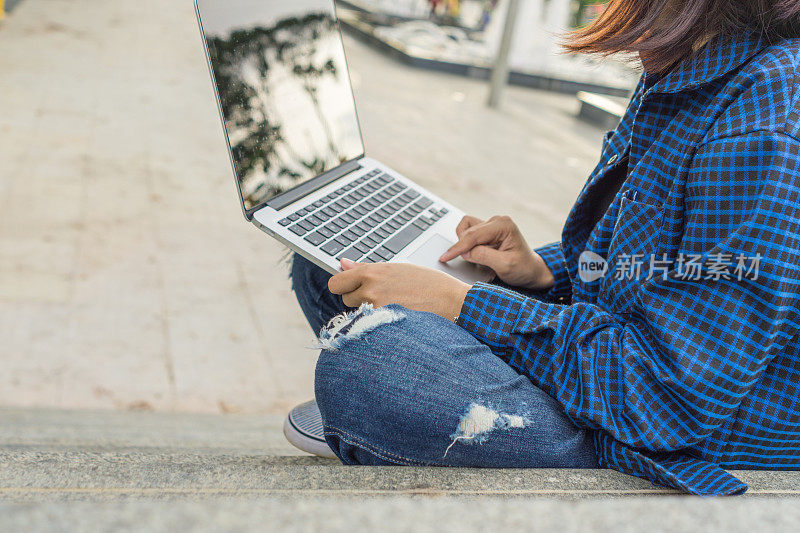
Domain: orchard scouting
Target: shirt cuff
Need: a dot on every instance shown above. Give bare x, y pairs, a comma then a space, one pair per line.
553, 256
490, 313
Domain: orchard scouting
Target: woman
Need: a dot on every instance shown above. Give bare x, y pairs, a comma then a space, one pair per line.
659, 338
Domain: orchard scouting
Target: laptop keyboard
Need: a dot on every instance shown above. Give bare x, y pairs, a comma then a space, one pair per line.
369, 220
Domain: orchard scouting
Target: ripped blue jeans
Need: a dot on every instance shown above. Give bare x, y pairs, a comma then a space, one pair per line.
400, 387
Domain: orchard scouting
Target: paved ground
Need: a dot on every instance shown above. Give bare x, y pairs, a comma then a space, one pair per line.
128, 277
444, 514
107, 471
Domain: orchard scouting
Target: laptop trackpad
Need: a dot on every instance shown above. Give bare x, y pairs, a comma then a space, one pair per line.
429, 253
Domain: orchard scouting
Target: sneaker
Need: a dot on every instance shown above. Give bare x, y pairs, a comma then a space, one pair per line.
303, 429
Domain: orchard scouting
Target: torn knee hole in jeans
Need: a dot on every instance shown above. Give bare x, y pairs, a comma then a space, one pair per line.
480, 421
354, 324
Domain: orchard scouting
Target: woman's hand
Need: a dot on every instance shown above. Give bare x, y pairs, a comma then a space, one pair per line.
413, 287
499, 245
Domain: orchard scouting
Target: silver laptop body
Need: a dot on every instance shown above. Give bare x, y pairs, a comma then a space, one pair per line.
286, 103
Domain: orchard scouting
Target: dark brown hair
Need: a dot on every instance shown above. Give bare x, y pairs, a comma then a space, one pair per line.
665, 31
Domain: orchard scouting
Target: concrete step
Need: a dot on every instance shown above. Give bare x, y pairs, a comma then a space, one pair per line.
234, 471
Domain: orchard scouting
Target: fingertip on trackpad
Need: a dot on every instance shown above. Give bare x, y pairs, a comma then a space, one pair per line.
429, 253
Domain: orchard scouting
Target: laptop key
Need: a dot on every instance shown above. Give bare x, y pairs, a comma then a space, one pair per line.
330, 212
315, 220
344, 241
319, 203
351, 235
351, 254
326, 232
420, 224
403, 239
298, 230
336, 225
285, 222
294, 217
375, 258
332, 248
306, 225
385, 253
358, 231
316, 238
411, 194
424, 203
347, 218
361, 247
370, 241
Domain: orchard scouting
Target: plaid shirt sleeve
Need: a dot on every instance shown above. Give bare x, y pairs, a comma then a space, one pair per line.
553, 256
667, 374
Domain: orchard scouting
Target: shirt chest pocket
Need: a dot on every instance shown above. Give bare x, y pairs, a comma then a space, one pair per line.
633, 255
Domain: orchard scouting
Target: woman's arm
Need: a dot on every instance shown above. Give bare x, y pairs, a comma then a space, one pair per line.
672, 371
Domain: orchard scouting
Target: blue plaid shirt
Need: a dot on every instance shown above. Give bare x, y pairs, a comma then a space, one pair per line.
683, 354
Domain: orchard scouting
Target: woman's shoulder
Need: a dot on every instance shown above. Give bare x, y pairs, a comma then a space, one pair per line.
775, 67
766, 93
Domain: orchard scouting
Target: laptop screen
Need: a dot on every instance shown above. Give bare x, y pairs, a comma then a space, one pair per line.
280, 71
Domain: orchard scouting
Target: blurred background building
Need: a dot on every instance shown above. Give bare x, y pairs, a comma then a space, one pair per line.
465, 35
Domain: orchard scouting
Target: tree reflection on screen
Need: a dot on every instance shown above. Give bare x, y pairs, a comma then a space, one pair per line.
286, 101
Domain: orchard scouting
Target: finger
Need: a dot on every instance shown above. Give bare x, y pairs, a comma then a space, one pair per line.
484, 233
466, 223
345, 282
466, 243
355, 298
348, 264
486, 256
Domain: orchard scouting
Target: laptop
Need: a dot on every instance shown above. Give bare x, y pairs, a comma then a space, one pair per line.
287, 106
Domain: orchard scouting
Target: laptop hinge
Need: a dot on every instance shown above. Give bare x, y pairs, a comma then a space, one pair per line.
303, 190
